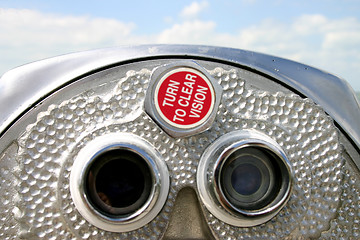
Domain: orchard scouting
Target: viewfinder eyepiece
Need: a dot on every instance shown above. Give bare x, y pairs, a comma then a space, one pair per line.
118, 182
244, 178
251, 178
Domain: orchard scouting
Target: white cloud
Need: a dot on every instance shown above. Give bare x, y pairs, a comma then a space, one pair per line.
331, 44
33, 26
342, 39
249, 1
29, 35
309, 24
193, 9
190, 32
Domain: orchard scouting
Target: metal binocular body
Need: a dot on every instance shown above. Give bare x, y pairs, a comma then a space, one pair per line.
177, 142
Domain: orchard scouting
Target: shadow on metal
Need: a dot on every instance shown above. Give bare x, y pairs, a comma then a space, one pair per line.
187, 220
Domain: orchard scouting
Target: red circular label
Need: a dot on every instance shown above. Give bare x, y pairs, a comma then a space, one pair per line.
184, 98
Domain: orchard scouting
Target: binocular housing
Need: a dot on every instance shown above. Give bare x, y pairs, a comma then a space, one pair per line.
177, 142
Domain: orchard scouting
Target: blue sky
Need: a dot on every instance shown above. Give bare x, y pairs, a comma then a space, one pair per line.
322, 33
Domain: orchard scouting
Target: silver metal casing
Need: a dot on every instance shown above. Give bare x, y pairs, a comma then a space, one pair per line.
58, 114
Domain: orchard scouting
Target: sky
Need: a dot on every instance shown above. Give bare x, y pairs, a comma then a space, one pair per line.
322, 33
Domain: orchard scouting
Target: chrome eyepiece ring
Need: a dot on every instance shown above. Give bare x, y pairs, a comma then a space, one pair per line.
244, 178
119, 182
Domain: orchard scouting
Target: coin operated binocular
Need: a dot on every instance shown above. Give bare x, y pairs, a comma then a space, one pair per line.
177, 142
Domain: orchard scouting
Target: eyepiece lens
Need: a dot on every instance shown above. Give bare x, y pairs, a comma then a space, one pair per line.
119, 182
246, 179
250, 178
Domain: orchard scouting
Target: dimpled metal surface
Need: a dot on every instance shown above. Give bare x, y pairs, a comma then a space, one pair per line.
325, 197
9, 212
